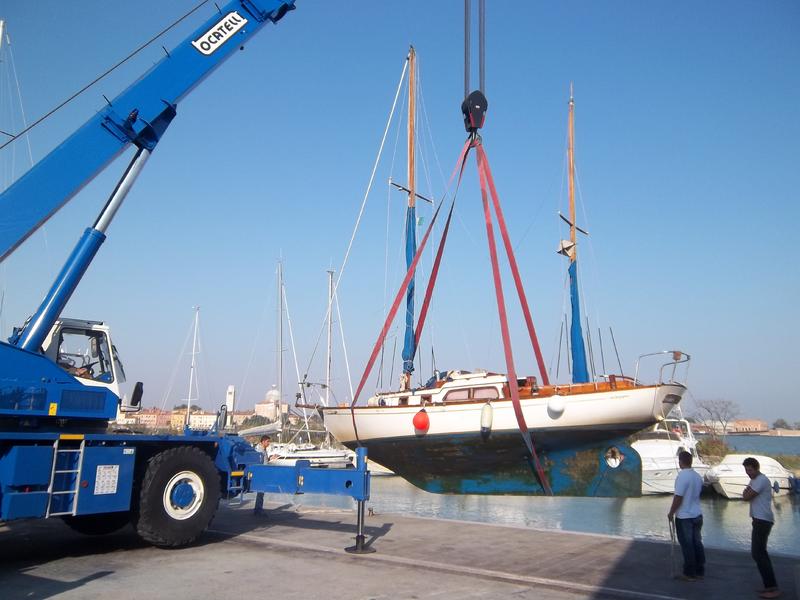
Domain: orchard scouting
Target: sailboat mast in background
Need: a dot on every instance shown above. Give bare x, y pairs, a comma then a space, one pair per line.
330, 340
279, 341
192, 366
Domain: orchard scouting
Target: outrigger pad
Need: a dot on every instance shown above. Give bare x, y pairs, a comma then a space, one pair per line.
474, 109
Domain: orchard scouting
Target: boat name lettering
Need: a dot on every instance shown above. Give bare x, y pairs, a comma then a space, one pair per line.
212, 40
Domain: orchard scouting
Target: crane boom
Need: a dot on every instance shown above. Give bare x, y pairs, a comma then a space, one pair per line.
138, 116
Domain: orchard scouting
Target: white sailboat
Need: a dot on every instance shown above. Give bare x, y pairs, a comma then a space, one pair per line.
294, 449
460, 432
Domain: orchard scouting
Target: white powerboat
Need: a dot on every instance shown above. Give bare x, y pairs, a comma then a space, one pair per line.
659, 448
729, 477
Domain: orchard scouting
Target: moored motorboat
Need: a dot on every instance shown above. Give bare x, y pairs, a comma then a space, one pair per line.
729, 477
659, 448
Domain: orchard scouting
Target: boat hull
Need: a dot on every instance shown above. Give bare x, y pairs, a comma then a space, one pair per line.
733, 487
469, 464
316, 457
658, 477
582, 447
730, 479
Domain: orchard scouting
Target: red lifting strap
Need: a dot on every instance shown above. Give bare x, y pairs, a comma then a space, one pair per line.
401, 292
501, 309
512, 261
423, 313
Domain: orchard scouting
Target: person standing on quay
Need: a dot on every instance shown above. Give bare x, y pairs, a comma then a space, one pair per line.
759, 495
262, 447
688, 517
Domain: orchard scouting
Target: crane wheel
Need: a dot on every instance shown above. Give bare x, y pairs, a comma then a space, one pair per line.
178, 497
101, 524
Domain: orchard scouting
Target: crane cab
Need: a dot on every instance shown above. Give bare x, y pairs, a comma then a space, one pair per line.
84, 350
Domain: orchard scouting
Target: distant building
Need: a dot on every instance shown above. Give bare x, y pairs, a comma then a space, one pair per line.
177, 419
270, 407
202, 420
748, 426
126, 419
152, 418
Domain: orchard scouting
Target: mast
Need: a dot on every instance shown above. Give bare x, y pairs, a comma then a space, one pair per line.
279, 330
580, 373
193, 365
409, 344
330, 338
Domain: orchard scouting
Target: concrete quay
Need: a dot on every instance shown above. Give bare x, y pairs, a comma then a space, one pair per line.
297, 553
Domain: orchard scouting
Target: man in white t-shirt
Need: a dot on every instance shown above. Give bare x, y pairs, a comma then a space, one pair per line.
688, 517
759, 495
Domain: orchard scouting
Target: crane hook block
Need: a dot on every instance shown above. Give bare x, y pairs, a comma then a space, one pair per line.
474, 109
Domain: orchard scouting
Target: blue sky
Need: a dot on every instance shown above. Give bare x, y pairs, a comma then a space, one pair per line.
686, 145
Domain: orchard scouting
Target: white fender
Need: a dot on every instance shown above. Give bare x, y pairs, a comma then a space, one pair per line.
555, 407
487, 414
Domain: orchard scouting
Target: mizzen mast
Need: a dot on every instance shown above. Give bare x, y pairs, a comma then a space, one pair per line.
580, 373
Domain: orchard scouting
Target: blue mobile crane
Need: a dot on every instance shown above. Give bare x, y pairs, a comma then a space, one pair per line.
59, 378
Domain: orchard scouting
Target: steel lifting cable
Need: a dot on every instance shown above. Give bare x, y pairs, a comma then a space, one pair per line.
105, 74
481, 45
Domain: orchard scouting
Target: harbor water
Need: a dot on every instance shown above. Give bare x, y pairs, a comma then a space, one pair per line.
726, 522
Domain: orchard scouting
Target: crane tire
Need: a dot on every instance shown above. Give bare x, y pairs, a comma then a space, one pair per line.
100, 524
178, 497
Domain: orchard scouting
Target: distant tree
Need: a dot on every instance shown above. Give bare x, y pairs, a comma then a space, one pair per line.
254, 421
797, 424
781, 424
179, 406
716, 412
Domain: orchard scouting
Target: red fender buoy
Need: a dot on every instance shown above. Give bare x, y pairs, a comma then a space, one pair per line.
421, 421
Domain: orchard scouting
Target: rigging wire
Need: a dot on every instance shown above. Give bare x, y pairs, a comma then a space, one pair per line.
174, 374
594, 271
389, 194
427, 148
361, 210
12, 72
251, 359
344, 346
294, 351
206, 366
613, 341
104, 74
